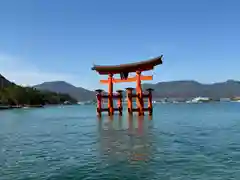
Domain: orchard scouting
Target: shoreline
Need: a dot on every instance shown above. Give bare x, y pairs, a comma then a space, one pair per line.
6, 107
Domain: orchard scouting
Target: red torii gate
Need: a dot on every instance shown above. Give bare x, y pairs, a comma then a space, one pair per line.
124, 70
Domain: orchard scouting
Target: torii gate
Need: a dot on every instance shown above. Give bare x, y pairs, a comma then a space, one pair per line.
124, 70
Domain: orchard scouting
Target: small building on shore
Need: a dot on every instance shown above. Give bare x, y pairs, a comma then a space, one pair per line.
225, 99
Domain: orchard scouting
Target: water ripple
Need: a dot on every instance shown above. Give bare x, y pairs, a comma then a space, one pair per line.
181, 142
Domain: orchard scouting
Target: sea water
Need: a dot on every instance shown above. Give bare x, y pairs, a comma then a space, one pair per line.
181, 142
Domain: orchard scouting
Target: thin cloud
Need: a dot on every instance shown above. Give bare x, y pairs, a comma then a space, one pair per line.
26, 73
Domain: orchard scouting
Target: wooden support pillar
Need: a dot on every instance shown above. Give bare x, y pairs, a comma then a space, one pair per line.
129, 100
120, 102
99, 101
140, 102
150, 108
110, 95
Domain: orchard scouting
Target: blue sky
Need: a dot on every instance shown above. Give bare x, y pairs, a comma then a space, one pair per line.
43, 40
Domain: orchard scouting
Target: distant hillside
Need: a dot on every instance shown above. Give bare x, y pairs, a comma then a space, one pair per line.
4, 82
171, 89
14, 95
78, 93
189, 89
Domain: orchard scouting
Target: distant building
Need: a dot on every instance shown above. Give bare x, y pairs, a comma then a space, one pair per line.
225, 99
236, 99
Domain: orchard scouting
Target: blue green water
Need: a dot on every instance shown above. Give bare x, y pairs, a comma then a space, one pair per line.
181, 142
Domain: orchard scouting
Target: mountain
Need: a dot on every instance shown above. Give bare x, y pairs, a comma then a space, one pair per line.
78, 93
171, 89
14, 95
4, 82
189, 89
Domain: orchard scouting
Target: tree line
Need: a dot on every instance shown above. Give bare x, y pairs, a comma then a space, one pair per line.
18, 95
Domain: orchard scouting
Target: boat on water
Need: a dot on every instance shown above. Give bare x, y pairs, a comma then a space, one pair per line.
86, 103
199, 100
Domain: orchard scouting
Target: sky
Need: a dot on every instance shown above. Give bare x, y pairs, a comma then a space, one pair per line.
48, 40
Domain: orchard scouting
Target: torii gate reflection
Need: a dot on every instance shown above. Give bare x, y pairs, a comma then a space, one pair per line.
128, 138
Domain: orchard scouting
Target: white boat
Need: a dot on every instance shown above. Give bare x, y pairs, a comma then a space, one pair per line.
85, 103
199, 100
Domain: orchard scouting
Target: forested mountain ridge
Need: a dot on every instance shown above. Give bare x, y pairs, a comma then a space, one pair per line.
12, 94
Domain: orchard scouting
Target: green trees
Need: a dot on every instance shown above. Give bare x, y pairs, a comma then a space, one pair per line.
17, 95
